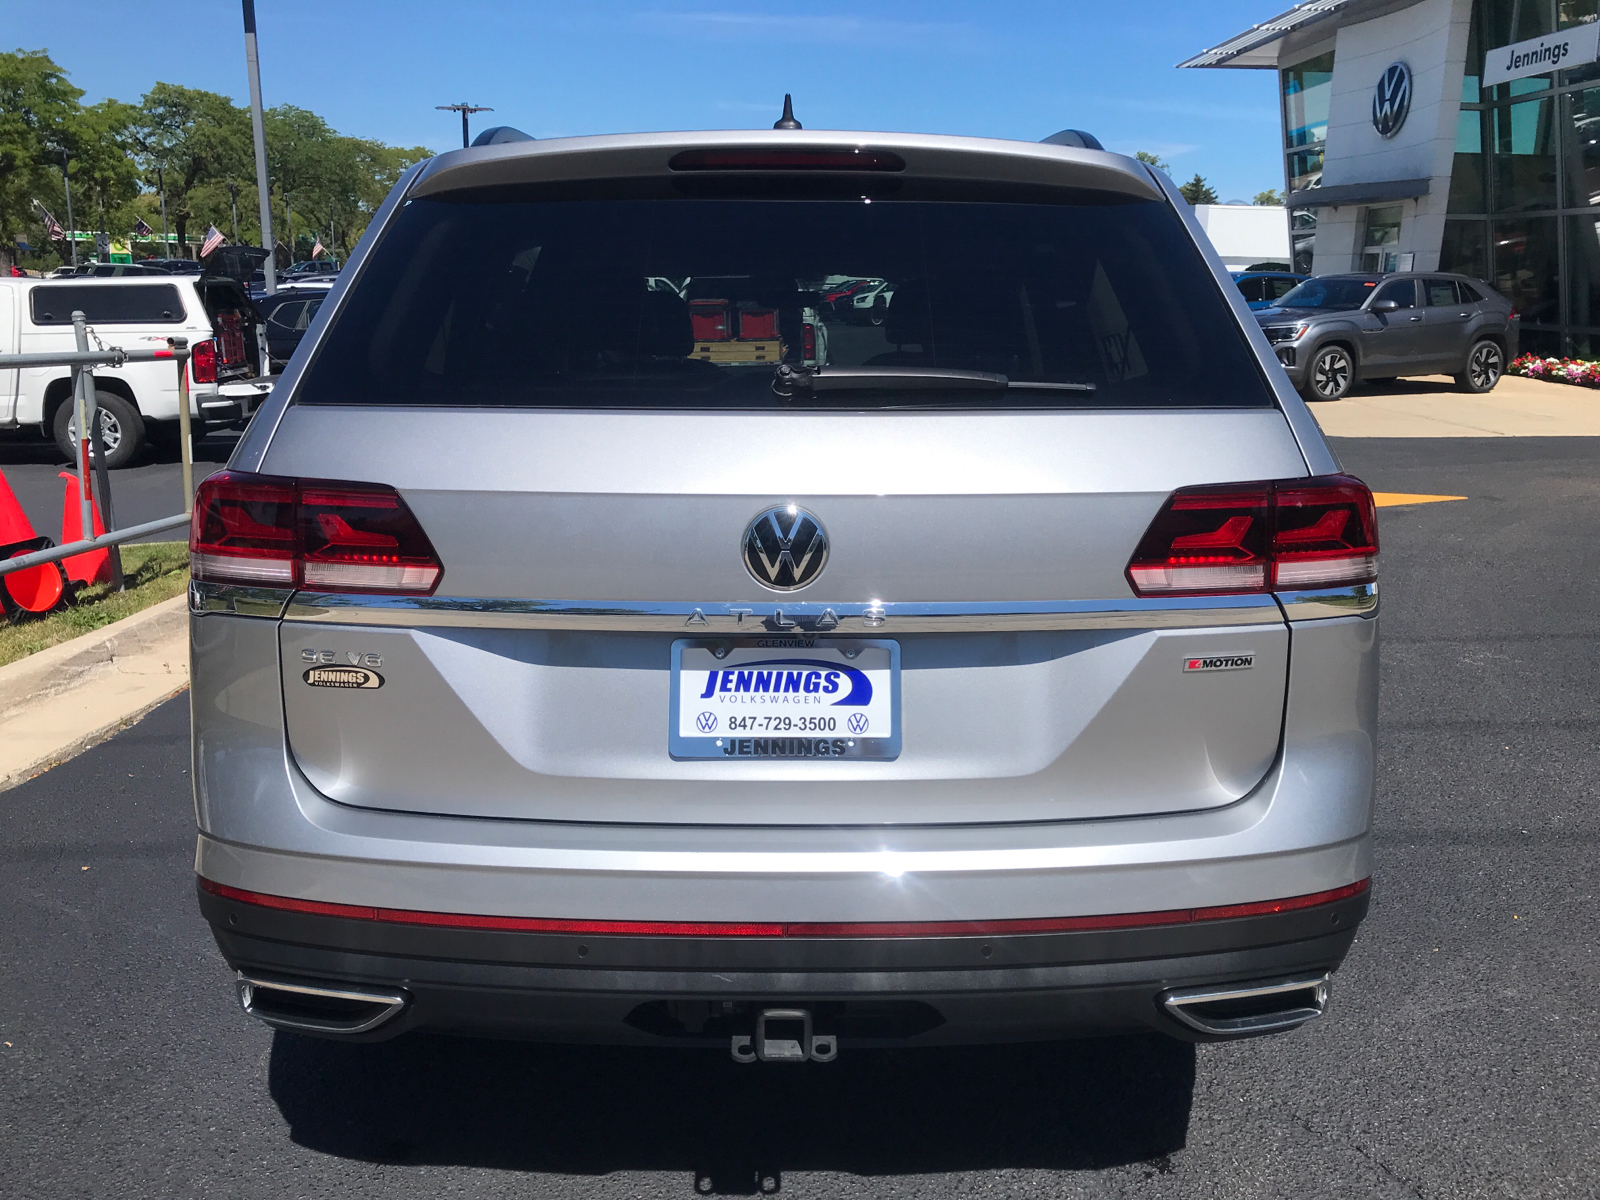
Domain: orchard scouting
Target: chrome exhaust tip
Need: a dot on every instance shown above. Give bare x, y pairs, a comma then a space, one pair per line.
312, 1008
1243, 1010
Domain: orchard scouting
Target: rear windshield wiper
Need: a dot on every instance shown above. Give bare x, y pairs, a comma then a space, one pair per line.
790, 380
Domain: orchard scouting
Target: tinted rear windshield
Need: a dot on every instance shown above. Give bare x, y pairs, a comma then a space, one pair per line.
108, 304
694, 302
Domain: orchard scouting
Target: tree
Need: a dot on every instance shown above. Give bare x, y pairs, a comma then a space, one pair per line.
1198, 191
1270, 196
186, 138
37, 109
196, 145
1153, 160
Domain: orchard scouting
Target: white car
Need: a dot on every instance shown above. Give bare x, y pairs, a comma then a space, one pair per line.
139, 401
872, 304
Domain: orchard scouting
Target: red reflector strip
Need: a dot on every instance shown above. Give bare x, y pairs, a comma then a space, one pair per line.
853, 929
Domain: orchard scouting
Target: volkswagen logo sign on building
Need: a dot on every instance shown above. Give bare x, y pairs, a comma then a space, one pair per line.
1391, 100
785, 548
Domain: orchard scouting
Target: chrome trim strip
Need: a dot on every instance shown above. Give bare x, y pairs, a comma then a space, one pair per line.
768, 616
237, 599
1321, 603
1176, 1003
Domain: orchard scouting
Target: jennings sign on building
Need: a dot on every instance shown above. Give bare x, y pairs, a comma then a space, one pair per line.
1458, 135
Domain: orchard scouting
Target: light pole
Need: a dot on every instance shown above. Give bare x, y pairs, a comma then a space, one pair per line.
66, 185
161, 187
269, 268
233, 202
463, 108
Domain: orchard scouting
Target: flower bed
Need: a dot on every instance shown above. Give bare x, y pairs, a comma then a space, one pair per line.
1557, 370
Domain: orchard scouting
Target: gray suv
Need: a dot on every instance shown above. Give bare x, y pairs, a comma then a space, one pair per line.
1335, 330
578, 658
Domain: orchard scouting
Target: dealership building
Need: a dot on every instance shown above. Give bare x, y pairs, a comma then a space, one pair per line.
1454, 135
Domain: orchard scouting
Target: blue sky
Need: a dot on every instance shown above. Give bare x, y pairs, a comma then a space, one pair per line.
1017, 70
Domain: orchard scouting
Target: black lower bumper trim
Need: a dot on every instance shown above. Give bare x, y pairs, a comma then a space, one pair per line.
569, 987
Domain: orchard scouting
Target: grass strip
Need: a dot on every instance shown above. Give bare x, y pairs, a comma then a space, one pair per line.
154, 571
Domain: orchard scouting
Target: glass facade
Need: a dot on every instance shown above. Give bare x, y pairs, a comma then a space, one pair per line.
1524, 203
1306, 89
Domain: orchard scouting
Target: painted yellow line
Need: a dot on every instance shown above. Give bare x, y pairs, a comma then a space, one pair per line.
1393, 499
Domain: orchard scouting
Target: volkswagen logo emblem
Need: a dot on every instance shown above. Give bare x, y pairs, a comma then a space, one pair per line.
1391, 100
785, 548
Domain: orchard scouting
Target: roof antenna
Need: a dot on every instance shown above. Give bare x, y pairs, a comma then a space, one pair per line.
787, 121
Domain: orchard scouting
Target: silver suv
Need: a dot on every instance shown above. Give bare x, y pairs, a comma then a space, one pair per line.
1336, 330
580, 658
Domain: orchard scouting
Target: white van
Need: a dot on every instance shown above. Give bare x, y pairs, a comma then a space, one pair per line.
139, 401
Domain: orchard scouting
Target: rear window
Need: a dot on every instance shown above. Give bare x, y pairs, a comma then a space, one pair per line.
102, 304
695, 301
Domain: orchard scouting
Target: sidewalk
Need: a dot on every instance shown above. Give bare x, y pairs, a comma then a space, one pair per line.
1432, 407
62, 700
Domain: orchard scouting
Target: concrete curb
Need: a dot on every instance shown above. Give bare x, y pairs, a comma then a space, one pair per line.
60, 701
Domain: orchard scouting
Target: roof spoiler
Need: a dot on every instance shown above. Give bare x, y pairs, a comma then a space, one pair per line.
1074, 137
498, 134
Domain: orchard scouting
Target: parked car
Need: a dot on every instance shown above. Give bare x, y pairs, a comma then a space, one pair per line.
174, 266
871, 304
1335, 330
1009, 675
137, 401
288, 315
1263, 289
318, 284
311, 268
102, 270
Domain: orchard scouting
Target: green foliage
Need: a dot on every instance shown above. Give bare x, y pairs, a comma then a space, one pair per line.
1198, 191
193, 144
1154, 160
1270, 196
153, 572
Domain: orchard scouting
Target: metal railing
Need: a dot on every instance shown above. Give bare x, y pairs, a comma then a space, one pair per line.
87, 418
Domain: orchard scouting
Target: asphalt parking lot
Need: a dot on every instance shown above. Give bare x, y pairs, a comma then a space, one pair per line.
150, 489
1459, 1059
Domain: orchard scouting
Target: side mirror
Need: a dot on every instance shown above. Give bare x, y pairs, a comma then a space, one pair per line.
1385, 306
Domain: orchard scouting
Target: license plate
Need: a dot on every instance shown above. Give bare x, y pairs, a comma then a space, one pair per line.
785, 698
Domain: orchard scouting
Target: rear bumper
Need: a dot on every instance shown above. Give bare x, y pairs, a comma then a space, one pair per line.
903, 990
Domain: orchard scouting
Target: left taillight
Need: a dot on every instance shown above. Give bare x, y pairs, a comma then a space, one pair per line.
319, 535
1259, 537
203, 362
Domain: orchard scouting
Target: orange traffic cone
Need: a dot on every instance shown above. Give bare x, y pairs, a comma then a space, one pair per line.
14, 524
37, 589
93, 566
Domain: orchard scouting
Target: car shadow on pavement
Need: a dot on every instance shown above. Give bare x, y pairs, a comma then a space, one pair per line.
592, 1110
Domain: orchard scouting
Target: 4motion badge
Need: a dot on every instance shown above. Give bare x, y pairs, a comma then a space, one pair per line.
1220, 662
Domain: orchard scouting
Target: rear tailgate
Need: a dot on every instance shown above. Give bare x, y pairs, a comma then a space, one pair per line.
496, 701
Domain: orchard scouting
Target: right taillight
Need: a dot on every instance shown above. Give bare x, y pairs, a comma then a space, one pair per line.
1259, 537
321, 535
808, 342
204, 361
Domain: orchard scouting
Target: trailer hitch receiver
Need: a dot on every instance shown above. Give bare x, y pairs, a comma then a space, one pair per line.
784, 1035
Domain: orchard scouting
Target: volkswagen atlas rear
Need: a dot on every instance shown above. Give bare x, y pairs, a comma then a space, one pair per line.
601, 637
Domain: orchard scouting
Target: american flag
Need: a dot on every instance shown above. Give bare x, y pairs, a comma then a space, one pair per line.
51, 226
317, 250
142, 230
214, 239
